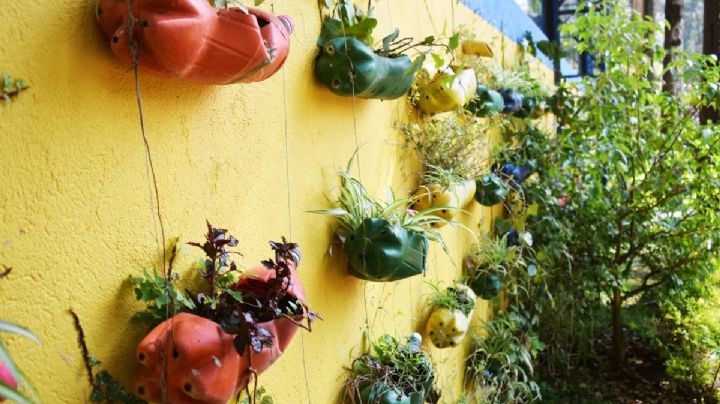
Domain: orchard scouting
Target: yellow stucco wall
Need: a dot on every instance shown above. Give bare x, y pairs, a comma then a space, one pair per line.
75, 211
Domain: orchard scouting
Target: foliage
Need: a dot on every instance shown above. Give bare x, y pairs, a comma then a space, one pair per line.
453, 298
158, 292
393, 364
493, 257
453, 144
346, 19
11, 88
355, 204
238, 305
108, 390
641, 172
261, 397
500, 365
627, 198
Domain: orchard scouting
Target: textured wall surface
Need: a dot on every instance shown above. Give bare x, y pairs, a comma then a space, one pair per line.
75, 209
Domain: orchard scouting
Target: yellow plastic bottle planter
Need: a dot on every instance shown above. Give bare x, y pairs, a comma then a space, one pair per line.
435, 196
447, 327
477, 48
446, 92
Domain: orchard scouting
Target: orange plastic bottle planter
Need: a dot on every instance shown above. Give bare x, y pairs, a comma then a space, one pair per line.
202, 363
191, 40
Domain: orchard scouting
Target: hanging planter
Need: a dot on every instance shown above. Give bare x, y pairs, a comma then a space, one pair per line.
349, 66
444, 198
219, 341
451, 312
194, 41
384, 241
446, 91
486, 102
488, 265
490, 190
495, 187
392, 373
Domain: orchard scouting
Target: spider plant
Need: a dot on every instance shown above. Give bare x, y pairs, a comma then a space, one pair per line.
500, 365
355, 205
9, 385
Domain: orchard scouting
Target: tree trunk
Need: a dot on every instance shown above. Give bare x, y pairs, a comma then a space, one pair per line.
649, 8
618, 338
673, 39
711, 46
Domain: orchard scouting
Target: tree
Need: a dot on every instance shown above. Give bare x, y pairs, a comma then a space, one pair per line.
673, 40
640, 172
711, 44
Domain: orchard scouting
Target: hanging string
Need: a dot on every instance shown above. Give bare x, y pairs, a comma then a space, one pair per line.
153, 187
289, 205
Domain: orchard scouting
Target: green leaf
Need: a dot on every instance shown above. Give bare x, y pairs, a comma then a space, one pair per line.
12, 394
16, 329
454, 41
389, 40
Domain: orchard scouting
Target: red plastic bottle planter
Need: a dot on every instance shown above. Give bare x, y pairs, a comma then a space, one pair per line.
202, 363
190, 39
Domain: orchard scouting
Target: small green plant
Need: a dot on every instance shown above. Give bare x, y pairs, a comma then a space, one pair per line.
11, 88
452, 298
355, 204
159, 293
500, 366
494, 256
105, 389
392, 371
261, 397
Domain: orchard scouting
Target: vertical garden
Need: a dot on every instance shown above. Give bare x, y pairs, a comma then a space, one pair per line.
382, 202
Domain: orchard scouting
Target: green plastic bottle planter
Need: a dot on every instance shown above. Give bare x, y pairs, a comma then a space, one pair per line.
346, 62
486, 102
383, 393
490, 190
486, 286
381, 252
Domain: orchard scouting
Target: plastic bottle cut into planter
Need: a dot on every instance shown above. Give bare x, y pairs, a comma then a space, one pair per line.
486, 286
435, 196
486, 102
447, 92
191, 40
348, 67
490, 190
202, 363
381, 252
447, 327
384, 393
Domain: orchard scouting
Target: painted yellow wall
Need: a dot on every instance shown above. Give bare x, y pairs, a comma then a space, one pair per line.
75, 210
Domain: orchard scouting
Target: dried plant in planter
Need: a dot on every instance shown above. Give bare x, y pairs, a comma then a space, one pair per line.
236, 330
392, 373
384, 240
451, 312
451, 150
